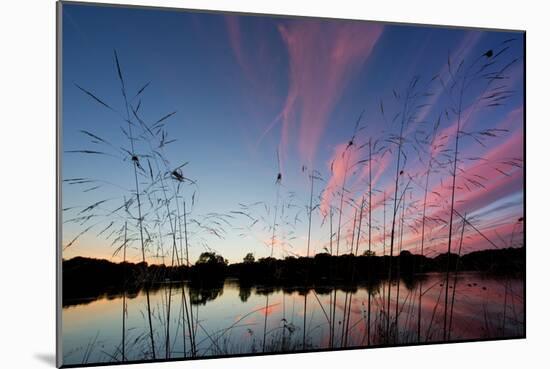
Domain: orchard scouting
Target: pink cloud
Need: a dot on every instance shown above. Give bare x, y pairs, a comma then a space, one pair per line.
256, 60
341, 159
497, 185
496, 181
323, 57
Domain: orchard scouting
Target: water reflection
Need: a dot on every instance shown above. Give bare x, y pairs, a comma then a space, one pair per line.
229, 318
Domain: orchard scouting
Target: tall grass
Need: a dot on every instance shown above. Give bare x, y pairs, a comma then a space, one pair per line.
488, 70
456, 278
135, 162
188, 310
123, 344
278, 182
398, 173
155, 180
432, 148
370, 242
310, 212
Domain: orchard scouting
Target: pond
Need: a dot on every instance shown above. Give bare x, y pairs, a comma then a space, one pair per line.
232, 319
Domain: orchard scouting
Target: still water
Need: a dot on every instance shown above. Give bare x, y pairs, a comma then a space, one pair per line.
232, 319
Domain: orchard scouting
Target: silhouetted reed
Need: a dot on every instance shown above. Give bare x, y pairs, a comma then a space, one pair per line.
148, 215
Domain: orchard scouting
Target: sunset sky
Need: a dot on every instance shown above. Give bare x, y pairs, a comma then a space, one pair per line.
248, 87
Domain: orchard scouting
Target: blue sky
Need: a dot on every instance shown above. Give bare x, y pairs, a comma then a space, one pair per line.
248, 87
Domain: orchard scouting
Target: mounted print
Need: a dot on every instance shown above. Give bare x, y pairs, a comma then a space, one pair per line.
242, 184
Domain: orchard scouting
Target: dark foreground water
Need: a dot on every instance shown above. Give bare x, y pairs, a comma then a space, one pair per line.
232, 319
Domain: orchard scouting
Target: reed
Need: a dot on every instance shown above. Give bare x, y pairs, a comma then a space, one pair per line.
398, 274
123, 344
432, 148
370, 243
398, 172
332, 295
188, 310
157, 189
463, 78
310, 212
348, 296
453, 189
456, 279
278, 182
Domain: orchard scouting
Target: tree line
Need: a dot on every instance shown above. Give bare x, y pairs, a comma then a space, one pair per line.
89, 278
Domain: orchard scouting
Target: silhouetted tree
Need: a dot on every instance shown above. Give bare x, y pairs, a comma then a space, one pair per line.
211, 258
249, 258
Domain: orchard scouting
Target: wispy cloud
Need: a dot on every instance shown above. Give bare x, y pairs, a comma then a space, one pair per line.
323, 58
